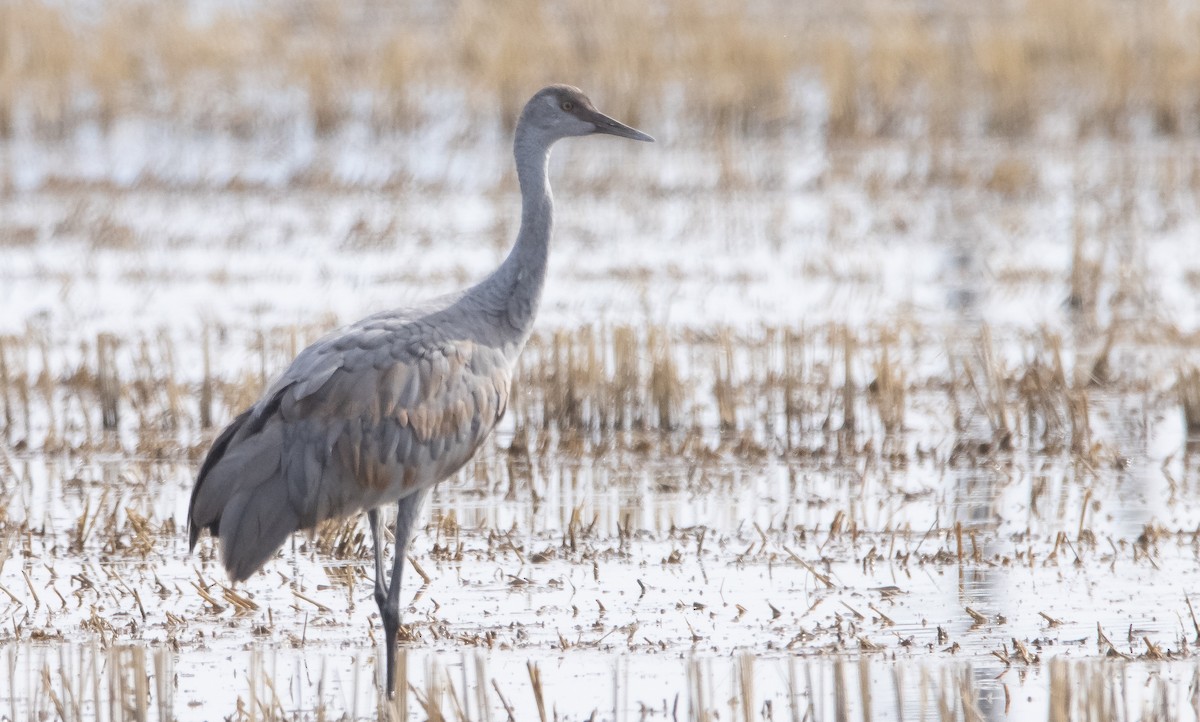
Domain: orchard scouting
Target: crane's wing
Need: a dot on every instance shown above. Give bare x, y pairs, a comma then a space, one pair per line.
359, 419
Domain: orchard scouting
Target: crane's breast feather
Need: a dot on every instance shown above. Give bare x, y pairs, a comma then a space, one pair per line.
423, 421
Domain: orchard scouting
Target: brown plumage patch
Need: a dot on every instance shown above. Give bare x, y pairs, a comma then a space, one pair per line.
483, 403
461, 414
422, 422
501, 399
391, 385
436, 400
373, 474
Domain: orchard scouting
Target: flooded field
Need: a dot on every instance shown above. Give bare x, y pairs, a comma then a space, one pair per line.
814, 425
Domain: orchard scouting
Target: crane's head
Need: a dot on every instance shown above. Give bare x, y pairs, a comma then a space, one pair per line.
561, 111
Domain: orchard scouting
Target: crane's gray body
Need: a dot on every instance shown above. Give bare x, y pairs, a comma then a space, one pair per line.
363, 417
381, 410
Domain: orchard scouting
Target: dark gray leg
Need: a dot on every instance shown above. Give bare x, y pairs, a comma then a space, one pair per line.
387, 596
377, 537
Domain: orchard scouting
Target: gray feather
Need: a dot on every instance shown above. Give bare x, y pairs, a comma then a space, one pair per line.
334, 442
317, 378
254, 525
247, 463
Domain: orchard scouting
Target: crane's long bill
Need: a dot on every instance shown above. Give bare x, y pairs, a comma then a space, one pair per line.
605, 124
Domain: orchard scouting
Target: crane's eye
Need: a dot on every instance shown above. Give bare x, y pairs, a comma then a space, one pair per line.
567, 106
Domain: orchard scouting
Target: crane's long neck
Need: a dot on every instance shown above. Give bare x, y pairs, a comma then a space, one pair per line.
514, 290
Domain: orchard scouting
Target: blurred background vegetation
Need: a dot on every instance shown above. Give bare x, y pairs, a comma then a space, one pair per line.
868, 68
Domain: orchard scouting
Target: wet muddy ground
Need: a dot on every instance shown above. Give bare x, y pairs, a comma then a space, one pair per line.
876, 432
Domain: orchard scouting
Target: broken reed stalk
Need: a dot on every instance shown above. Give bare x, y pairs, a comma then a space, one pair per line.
887, 392
431, 701
108, 381
723, 385
665, 390
24, 397
46, 386
252, 678
508, 709
1075, 398
792, 382
840, 692
141, 688
967, 696
864, 686
483, 709
460, 709
535, 681
5, 390
626, 378
163, 674
168, 380
697, 698
563, 406
1188, 386
1085, 276
847, 432
746, 680
206, 384
1085, 691
128, 686
48, 687
944, 696
991, 390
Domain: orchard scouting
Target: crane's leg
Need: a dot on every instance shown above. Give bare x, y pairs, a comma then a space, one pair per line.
388, 596
377, 536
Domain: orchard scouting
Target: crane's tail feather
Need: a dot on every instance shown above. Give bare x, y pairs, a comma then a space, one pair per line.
242, 498
215, 454
254, 525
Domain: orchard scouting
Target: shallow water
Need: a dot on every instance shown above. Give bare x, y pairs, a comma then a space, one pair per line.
660, 573
714, 568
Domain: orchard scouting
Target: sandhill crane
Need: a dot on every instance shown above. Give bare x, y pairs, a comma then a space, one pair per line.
381, 410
